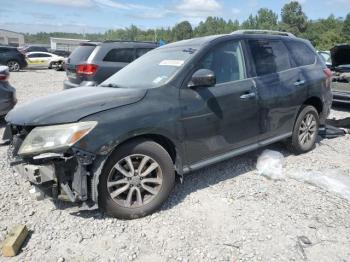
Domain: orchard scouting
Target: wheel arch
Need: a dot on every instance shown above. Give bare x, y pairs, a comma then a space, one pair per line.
169, 145
315, 102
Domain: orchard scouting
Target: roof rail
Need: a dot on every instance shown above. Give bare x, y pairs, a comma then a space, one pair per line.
258, 31
126, 41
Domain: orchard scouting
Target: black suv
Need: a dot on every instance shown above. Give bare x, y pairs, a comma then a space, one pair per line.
33, 48
11, 57
176, 109
91, 63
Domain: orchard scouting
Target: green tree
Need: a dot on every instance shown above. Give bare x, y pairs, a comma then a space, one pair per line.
266, 19
346, 28
183, 30
293, 18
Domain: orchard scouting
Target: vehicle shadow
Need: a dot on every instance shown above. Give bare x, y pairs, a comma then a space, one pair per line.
341, 107
217, 173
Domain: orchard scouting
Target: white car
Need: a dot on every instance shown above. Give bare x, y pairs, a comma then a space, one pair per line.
43, 60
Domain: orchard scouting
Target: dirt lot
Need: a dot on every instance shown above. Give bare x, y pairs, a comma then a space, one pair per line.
226, 212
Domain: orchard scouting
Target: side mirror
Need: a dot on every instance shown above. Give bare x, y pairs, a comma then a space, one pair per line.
202, 78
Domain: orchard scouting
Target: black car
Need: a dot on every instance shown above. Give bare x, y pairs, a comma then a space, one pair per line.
178, 108
341, 73
62, 53
33, 48
91, 63
11, 57
7, 93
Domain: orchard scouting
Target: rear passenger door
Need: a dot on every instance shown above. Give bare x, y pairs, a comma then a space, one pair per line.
280, 90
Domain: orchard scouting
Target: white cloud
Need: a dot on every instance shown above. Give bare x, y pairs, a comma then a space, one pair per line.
110, 3
199, 8
76, 3
88, 3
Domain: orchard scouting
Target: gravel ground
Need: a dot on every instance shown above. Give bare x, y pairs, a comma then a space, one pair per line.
222, 213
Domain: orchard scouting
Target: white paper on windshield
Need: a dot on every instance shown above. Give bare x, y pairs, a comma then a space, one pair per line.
159, 79
171, 63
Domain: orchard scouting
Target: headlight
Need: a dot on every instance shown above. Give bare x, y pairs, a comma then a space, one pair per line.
56, 137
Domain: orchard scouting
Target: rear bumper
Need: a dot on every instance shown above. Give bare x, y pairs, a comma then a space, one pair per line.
8, 104
67, 84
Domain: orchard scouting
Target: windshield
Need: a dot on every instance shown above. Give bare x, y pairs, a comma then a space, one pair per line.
152, 69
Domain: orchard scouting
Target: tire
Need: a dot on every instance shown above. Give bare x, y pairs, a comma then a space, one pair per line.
118, 180
50, 66
305, 130
13, 65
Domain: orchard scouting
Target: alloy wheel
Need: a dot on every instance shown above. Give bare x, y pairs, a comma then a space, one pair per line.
13, 66
307, 129
134, 181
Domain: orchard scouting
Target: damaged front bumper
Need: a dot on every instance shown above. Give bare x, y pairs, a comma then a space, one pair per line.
68, 176
57, 176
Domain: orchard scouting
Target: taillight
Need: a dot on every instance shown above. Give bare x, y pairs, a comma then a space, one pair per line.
328, 72
86, 69
4, 77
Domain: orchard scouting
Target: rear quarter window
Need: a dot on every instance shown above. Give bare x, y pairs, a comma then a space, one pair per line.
269, 56
142, 51
121, 55
81, 54
301, 53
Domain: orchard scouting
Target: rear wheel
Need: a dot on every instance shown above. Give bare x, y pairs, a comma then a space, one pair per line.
305, 130
136, 180
13, 66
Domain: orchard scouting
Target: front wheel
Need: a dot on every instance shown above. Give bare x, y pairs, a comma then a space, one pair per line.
13, 66
136, 180
305, 130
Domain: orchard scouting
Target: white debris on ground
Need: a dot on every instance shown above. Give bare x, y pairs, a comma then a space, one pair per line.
270, 165
225, 212
328, 180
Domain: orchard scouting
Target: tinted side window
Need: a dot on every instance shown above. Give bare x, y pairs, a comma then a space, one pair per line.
142, 51
43, 55
301, 53
123, 55
270, 56
226, 61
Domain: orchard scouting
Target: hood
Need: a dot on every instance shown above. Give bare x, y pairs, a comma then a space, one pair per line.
340, 55
71, 105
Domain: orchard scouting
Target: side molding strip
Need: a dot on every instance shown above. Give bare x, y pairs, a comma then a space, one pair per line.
236, 152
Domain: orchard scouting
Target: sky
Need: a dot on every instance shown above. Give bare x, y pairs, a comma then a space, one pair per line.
91, 16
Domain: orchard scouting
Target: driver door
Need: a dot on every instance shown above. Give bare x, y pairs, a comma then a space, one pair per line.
223, 117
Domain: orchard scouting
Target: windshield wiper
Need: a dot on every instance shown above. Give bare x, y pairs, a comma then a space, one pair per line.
110, 85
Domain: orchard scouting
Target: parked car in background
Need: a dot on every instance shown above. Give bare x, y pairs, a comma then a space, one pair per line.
341, 73
7, 93
91, 63
33, 48
11, 57
62, 53
326, 57
43, 60
178, 108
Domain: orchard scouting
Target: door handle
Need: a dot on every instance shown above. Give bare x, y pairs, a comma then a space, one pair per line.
298, 83
248, 96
